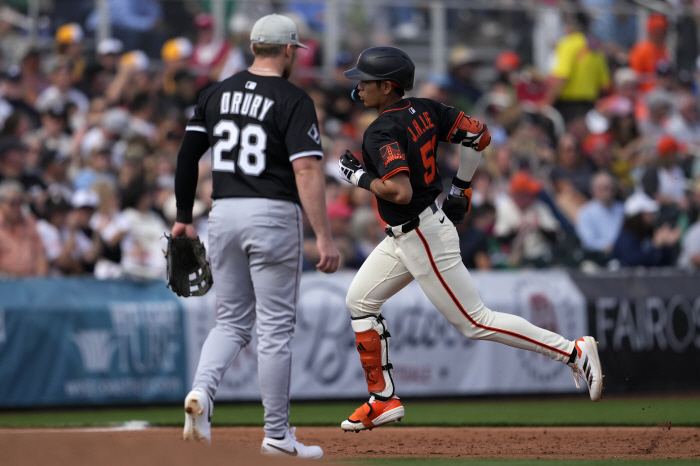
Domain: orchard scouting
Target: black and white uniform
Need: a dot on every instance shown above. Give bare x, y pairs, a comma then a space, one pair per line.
256, 126
404, 138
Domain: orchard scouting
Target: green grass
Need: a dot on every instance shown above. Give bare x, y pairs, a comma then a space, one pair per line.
517, 462
558, 412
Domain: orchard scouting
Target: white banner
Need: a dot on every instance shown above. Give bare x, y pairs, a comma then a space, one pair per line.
429, 356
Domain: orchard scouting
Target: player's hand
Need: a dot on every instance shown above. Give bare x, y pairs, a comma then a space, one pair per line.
184, 229
457, 204
350, 168
478, 136
330, 257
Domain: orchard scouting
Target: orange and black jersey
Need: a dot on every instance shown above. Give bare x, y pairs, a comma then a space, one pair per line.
405, 138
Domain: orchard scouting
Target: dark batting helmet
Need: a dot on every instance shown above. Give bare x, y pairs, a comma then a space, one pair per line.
384, 64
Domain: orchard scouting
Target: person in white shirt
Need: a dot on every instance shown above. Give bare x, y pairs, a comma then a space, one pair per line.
600, 219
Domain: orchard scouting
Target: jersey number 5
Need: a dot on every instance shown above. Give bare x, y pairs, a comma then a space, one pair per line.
428, 153
251, 156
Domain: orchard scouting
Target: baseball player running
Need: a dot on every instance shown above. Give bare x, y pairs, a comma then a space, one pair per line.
265, 147
398, 151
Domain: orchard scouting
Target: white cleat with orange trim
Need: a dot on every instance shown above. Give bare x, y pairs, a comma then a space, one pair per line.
587, 366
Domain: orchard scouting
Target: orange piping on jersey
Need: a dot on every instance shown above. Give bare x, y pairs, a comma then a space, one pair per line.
461, 309
395, 171
395, 109
459, 118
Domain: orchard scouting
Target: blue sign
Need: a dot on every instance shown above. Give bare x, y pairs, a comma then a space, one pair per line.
83, 341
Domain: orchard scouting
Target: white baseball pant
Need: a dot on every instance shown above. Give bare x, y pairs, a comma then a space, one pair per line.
431, 255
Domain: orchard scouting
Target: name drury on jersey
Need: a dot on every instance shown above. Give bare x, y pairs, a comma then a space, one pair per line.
245, 104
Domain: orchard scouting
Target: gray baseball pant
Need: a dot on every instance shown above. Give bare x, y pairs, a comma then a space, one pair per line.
255, 249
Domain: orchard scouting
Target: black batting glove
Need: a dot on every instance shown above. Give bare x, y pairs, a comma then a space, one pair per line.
458, 201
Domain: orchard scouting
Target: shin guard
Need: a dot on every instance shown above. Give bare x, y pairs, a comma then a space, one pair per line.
372, 340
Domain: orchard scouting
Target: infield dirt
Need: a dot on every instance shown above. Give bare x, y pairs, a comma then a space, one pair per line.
240, 445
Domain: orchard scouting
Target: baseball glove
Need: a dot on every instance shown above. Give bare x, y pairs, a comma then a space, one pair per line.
186, 257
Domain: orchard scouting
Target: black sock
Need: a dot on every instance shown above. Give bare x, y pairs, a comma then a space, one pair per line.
278, 438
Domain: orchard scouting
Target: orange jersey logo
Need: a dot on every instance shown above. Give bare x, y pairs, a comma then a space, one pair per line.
391, 152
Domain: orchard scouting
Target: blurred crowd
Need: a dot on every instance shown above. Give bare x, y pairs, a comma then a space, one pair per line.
595, 159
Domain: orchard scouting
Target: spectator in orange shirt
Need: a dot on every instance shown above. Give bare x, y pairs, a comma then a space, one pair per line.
646, 53
21, 249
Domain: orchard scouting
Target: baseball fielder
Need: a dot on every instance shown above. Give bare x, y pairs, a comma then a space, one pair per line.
265, 147
398, 151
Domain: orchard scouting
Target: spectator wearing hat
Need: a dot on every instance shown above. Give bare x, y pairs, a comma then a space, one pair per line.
51, 228
142, 248
53, 131
12, 165
13, 96
62, 86
690, 246
660, 105
85, 244
599, 220
112, 128
21, 250
684, 124
69, 43
209, 53
239, 55
647, 52
54, 174
639, 243
101, 73
132, 78
580, 73
664, 179
462, 63
525, 224
176, 55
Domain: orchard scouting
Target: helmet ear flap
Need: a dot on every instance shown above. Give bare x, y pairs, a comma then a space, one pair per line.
355, 93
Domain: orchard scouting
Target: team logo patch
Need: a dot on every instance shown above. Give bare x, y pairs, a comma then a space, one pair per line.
251, 85
293, 36
314, 134
412, 110
391, 152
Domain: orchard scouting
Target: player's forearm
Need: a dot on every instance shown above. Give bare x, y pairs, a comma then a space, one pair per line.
312, 194
193, 146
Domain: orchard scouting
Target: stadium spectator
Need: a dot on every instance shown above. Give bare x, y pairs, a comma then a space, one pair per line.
21, 250
580, 74
12, 157
53, 131
14, 96
647, 52
571, 177
639, 242
62, 87
101, 73
209, 53
684, 124
475, 234
525, 224
690, 246
59, 253
134, 23
664, 179
599, 220
462, 64
660, 105
54, 174
69, 43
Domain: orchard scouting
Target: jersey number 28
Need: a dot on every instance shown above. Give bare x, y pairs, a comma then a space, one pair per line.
251, 156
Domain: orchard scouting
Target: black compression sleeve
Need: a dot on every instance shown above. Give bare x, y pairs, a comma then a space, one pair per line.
194, 145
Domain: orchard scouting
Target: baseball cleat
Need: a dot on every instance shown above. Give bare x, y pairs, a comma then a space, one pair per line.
373, 414
198, 409
289, 446
587, 366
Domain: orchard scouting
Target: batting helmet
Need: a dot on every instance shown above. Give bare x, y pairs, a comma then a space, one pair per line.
384, 64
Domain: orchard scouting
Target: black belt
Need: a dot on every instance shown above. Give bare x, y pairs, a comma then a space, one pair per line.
408, 226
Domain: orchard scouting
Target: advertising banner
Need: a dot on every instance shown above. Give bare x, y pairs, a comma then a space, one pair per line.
647, 324
429, 356
71, 342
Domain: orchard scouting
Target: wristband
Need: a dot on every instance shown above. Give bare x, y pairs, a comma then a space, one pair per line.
365, 181
458, 187
184, 216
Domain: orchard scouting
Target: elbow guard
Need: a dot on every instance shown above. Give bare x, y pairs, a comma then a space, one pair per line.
471, 133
